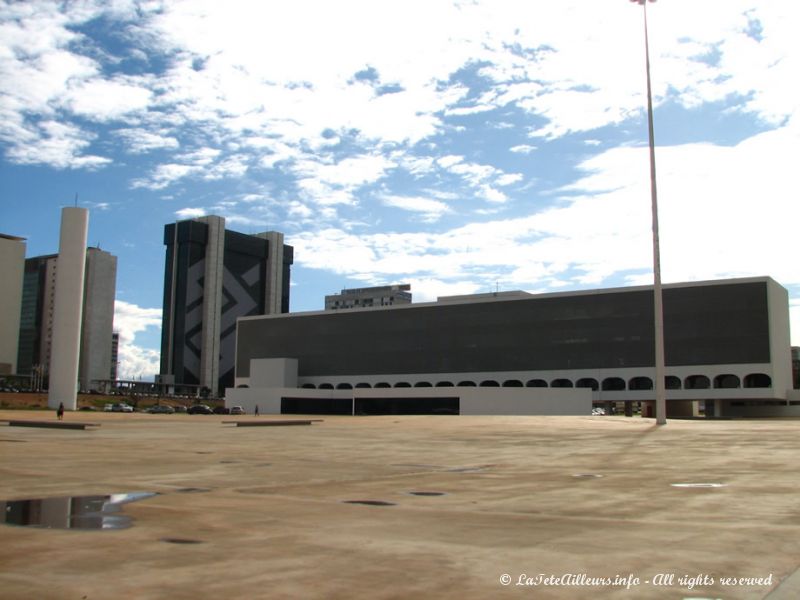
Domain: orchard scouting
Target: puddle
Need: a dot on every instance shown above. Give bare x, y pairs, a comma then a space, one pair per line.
192, 490
426, 493
180, 541
587, 476
699, 485
71, 512
370, 502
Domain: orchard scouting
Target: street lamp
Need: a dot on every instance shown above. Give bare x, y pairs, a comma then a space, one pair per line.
661, 405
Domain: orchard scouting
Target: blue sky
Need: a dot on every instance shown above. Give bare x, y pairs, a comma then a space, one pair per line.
461, 146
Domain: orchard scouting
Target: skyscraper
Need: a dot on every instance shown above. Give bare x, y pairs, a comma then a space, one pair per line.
213, 276
97, 321
12, 265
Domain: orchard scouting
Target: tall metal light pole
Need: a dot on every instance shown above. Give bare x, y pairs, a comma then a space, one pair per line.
660, 389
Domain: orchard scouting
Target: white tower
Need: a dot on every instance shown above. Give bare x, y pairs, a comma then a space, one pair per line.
68, 308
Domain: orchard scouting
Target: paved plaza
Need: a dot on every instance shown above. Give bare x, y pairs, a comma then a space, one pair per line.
409, 507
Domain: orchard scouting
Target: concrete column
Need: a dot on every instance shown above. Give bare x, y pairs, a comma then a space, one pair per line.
212, 303
273, 285
68, 308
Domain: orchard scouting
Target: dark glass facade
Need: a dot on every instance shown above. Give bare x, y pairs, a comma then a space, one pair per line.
704, 325
29, 351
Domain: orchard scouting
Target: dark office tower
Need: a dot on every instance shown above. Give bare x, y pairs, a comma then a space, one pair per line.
212, 277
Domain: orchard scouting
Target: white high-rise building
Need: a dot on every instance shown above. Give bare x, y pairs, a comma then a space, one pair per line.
12, 267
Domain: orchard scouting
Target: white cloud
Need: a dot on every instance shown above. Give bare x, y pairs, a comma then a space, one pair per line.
190, 213
107, 100
509, 178
130, 320
56, 144
431, 210
522, 148
139, 141
164, 175
717, 206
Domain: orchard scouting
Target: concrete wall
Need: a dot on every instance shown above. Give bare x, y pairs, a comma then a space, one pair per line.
12, 269
273, 372
273, 283
779, 335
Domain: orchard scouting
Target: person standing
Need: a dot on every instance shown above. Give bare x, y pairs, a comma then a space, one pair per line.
256, 413
60, 411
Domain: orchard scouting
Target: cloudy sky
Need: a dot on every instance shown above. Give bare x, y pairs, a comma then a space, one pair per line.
461, 146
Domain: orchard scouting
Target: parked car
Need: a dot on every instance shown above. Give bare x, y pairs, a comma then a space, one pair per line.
237, 410
222, 410
108, 407
122, 407
200, 409
162, 409
180, 409
597, 411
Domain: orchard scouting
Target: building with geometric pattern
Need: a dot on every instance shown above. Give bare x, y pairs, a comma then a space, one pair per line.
213, 276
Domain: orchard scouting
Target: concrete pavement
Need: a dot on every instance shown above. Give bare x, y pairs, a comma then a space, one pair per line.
513, 507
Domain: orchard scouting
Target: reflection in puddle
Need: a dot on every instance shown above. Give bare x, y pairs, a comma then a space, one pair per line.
71, 512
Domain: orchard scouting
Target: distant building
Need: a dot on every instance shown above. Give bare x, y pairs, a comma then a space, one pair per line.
212, 277
387, 295
12, 267
97, 325
114, 356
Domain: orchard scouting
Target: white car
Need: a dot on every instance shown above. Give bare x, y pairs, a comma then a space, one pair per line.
122, 407
237, 410
598, 411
